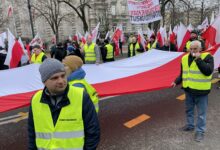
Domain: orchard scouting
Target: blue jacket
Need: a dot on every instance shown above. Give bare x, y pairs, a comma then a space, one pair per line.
90, 119
77, 75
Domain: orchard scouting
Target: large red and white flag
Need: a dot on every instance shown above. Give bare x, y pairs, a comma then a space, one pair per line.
95, 33
144, 69
183, 35
212, 34
15, 51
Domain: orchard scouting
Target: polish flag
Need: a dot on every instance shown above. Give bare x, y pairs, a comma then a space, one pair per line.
115, 38
82, 38
183, 36
190, 27
107, 35
10, 11
95, 33
15, 51
172, 36
75, 38
205, 23
175, 29
212, 34
162, 36
141, 39
37, 41
113, 78
149, 33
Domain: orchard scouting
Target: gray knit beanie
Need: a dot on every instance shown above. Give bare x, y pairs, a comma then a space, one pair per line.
49, 67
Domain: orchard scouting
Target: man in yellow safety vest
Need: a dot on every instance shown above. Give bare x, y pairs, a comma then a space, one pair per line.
38, 55
196, 75
61, 116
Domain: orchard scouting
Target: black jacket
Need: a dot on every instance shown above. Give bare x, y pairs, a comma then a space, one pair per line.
206, 66
60, 53
2, 61
90, 119
141, 49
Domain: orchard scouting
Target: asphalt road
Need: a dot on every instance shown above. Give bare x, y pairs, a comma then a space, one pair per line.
160, 132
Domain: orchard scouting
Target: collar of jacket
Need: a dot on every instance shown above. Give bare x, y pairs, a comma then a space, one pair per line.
46, 97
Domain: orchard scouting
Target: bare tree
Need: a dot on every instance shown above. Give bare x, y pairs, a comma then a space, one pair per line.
3, 21
50, 10
80, 10
103, 17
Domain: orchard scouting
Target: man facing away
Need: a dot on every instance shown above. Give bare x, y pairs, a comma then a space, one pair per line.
61, 116
196, 75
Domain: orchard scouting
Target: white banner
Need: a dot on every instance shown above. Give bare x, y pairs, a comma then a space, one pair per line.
144, 11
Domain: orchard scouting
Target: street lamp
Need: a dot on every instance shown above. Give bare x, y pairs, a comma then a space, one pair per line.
31, 20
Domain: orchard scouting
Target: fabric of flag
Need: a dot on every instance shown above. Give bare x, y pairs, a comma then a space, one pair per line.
15, 51
37, 41
10, 11
142, 72
115, 38
183, 35
95, 33
212, 34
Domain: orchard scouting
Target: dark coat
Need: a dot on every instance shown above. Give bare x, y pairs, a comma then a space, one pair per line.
60, 53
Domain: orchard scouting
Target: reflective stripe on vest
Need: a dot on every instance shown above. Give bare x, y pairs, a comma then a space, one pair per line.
90, 90
193, 77
61, 149
137, 46
110, 53
90, 53
37, 60
68, 133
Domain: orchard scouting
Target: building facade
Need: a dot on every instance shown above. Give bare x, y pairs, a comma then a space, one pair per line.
110, 13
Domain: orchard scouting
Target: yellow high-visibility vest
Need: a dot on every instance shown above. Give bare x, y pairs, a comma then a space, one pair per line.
193, 77
188, 46
110, 53
132, 48
68, 133
152, 46
90, 90
37, 59
90, 55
